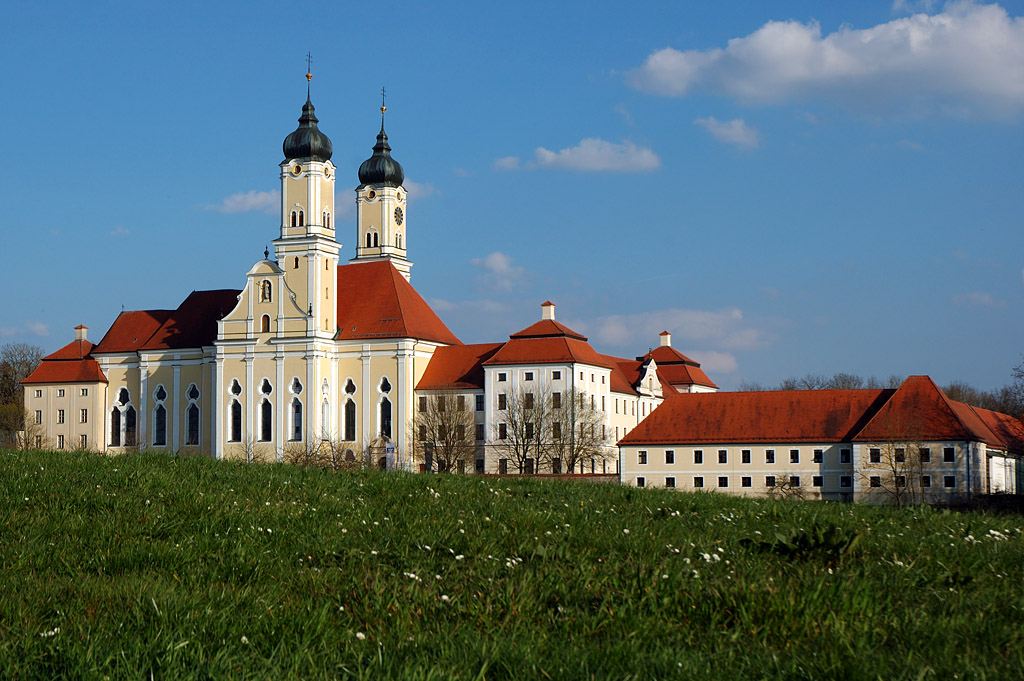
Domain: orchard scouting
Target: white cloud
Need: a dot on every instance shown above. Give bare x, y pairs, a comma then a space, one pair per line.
624, 112
38, 328
9, 332
250, 201
911, 145
418, 190
711, 361
120, 231
968, 59
590, 155
723, 328
731, 132
905, 6
499, 272
977, 299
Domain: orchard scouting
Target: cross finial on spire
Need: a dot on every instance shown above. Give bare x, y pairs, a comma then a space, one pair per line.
309, 66
383, 95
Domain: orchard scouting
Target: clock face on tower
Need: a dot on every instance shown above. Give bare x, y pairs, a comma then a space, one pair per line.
399, 216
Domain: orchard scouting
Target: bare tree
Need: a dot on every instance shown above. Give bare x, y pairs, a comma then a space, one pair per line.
523, 428
17, 361
787, 486
578, 431
894, 466
444, 428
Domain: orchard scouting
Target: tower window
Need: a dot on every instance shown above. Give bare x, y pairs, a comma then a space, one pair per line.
296, 265
375, 242
295, 219
398, 240
369, 240
265, 324
302, 219
327, 220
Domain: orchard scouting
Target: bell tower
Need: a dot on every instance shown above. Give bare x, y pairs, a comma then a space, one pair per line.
306, 250
381, 220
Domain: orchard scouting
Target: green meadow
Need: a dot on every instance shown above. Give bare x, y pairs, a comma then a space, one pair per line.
151, 566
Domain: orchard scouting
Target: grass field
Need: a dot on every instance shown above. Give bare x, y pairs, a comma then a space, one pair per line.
185, 568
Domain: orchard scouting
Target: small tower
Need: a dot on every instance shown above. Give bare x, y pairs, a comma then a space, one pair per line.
306, 250
380, 207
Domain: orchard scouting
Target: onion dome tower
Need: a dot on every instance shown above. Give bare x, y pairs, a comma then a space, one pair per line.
380, 206
306, 250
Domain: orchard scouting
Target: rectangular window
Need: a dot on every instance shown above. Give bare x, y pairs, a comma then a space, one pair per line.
556, 400
745, 456
641, 457
794, 456
616, 405
816, 481
556, 375
845, 481
670, 456
479, 402
423, 433
603, 434
723, 456
794, 481
460, 403
39, 441
39, 416
844, 456
84, 441
875, 481
479, 432
698, 481
641, 482
746, 481
875, 455
85, 392
503, 466
423, 404
556, 430
60, 442
670, 482
84, 416
926, 481
528, 376
440, 401
60, 393
925, 453
602, 403
460, 433
502, 401
723, 481
556, 466
60, 416
949, 481
769, 481
39, 393
948, 455
769, 456
900, 454
502, 431
529, 431
528, 400
698, 456
901, 481
819, 456
602, 380
502, 376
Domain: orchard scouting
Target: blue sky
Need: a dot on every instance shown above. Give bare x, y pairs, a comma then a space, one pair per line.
787, 187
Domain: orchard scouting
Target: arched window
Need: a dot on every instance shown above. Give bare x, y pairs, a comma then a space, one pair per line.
369, 240
327, 219
302, 219
160, 426
375, 242
295, 219
296, 265
266, 421
265, 324
115, 427
192, 425
130, 427
385, 417
296, 418
235, 435
350, 420
398, 240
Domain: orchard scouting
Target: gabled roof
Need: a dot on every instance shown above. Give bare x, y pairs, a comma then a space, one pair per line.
131, 330
781, 416
626, 374
546, 350
376, 301
1008, 430
919, 410
70, 364
675, 368
457, 366
194, 323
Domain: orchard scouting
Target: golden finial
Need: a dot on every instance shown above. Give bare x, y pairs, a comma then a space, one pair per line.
309, 67
383, 108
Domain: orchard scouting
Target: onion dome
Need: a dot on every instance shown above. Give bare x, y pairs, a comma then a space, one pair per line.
306, 141
380, 169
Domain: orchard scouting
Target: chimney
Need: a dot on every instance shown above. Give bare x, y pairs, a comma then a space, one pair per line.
80, 332
666, 339
547, 310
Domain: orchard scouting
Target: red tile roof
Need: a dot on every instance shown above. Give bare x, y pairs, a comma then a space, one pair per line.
675, 368
194, 323
1007, 429
376, 301
457, 366
548, 328
768, 417
548, 350
70, 364
131, 330
919, 410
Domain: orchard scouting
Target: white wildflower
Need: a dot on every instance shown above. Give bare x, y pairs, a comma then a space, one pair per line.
361, 636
